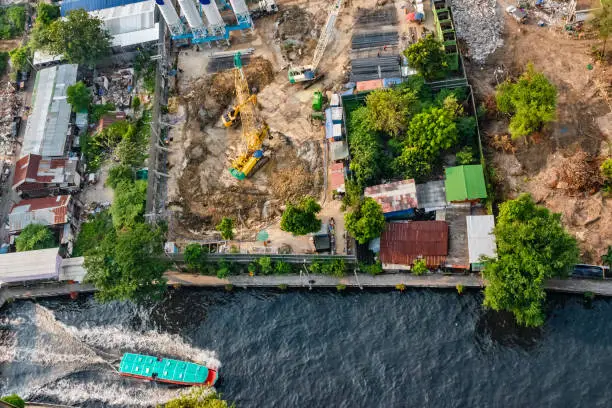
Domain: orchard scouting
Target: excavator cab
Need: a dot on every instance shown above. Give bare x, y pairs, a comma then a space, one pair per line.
230, 117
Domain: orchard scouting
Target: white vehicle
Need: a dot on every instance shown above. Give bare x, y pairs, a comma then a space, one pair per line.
518, 14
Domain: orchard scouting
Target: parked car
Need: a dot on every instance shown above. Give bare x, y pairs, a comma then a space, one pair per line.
518, 14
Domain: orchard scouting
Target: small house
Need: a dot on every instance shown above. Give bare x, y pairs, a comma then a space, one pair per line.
481, 241
465, 184
398, 199
36, 176
402, 243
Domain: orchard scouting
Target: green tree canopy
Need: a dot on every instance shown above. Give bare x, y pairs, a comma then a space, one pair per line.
531, 247
226, 228
366, 148
79, 96
195, 257
129, 203
19, 58
35, 236
128, 264
93, 232
432, 131
412, 164
427, 57
389, 110
80, 38
46, 13
531, 101
603, 23
301, 218
607, 257
606, 168
15, 400
119, 174
198, 397
365, 222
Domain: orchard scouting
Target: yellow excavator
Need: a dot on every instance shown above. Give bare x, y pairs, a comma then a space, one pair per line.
231, 117
254, 130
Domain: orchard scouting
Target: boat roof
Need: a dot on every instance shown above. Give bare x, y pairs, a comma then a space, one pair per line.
165, 368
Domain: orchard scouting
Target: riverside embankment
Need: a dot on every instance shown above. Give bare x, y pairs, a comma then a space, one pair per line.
362, 281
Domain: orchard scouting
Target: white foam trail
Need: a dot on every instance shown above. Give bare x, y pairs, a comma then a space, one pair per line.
74, 392
161, 344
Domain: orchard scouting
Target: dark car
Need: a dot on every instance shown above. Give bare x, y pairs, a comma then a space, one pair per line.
15, 126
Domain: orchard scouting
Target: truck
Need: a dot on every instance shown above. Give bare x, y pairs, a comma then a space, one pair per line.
518, 14
264, 8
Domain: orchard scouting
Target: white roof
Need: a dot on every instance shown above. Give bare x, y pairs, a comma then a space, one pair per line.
481, 241
47, 126
136, 37
43, 57
128, 18
30, 265
72, 269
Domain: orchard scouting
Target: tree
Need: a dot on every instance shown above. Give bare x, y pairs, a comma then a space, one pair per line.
79, 96
15, 400
366, 222
128, 264
432, 131
606, 169
366, 148
46, 13
4, 56
301, 218
531, 246
129, 203
93, 232
606, 259
603, 23
389, 110
427, 57
35, 236
80, 38
119, 174
531, 101
198, 397
265, 265
194, 257
131, 149
412, 164
19, 58
226, 228
136, 103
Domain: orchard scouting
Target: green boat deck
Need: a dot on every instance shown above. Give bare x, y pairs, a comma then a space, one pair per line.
164, 369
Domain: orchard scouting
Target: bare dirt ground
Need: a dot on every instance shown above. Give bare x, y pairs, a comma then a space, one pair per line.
200, 189
583, 117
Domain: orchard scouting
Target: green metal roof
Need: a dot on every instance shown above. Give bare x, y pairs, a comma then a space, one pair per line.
166, 369
465, 183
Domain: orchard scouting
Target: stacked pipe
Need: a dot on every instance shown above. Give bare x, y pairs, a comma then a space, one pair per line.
374, 39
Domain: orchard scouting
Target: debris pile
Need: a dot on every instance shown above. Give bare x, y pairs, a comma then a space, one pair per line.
579, 173
479, 23
115, 88
549, 11
10, 105
211, 95
298, 31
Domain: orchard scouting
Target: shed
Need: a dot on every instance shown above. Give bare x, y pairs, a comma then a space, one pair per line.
337, 131
335, 100
402, 243
46, 210
481, 241
339, 150
431, 196
336, 115
364, 86
322, 239
30, 265
336, 178
49, 123
465, 183
396, 199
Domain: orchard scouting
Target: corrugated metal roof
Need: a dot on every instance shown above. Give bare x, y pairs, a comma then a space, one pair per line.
363, 86
465, 183
47, 126
481, 241
32, 172
136, 37
339, 150
46, 211
396, 196
30, 265
431, 195
127, 18
72, 269
337, 175
401, 243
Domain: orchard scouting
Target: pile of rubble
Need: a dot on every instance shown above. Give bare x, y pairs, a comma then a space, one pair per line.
10, 106
479, 23
549, 11
115, 88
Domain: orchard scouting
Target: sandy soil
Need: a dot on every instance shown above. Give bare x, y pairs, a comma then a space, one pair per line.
582, 117
201, 190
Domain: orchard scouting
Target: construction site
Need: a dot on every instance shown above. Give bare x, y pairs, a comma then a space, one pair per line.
221, 166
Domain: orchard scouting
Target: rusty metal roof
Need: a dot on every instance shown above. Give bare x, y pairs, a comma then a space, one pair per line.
392, 197
402, 243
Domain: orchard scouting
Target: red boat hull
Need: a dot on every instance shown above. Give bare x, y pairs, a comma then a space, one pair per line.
210, 380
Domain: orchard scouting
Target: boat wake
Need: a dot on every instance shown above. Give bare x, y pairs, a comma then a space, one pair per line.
56, 353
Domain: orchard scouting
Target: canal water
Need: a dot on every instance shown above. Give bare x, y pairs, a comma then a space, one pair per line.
420, 348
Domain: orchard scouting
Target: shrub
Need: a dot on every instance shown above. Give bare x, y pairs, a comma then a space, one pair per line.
606, 169
401, 287
136, 103
301, 218
373, 269
428, 58
465, 156
341, 287
419, 267
265, 265
35, 236
226, 228
282, 268
459, 288
15, 400
282, 286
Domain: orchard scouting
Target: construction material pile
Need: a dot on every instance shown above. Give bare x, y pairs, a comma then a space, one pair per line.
115, 88
374, 45
297, 30
549, 11
479, 23
220, 61
10, 105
